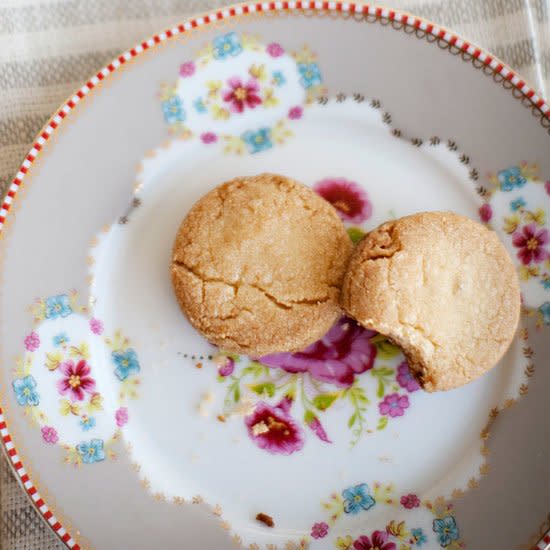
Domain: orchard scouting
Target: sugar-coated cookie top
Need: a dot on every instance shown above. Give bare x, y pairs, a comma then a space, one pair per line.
258, 264
442, 287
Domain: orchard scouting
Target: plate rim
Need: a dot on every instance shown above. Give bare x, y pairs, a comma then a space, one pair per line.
480, 58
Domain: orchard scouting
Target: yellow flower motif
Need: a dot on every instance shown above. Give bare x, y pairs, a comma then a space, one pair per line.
219, 113
250, 42
96, 403
529, 171
214, 87
305, 55
269, 98
167, 90
526, 272
538, 216
82, 351
205, 55
258, 72
66, 408
397, 529
344, 543
53, 360
511, 223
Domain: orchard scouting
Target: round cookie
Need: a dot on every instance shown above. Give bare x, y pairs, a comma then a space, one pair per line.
258, 264
443, 288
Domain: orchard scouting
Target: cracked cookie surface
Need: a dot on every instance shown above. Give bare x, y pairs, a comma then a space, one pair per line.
443, 288
258, 263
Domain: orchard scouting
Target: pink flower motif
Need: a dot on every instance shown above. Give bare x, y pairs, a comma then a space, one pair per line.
344, 351
405, 379
32, 341
350, 200
274, 430
275, 49
530, 242
121, 416
485, 212
187, 69
319, 530
209, 137
242, 95
49, 434
77, 380
547, 187
377, 541
96, 326
295, 113
394, 405
410, 501
226, 365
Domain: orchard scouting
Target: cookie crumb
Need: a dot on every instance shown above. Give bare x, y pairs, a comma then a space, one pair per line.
221, 417
198, 365
265, 519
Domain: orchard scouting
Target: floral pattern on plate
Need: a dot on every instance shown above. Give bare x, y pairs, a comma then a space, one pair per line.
282, 392
283, 395
246, 105
515, 207
408, 525
67, 350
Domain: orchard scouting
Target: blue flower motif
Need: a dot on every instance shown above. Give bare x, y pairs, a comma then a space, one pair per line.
517, 204
310, 74
357, 498
259, 140
58, 306
173, 110
279, 78
545, 310
545, 282
60, 339
126, 363
25, 391
227, 45
419, 537
199, 105
446, 529
511, 178
91, 451
87, 423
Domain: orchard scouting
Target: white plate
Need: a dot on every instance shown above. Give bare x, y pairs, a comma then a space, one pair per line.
127, 414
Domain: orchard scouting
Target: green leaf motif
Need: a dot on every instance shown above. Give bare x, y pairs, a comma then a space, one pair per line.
384, 371
352, 420
267, 388
309, 417
324, 400
382, 423
380, 389
355, 234
236, 393
255, 369
385, 350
